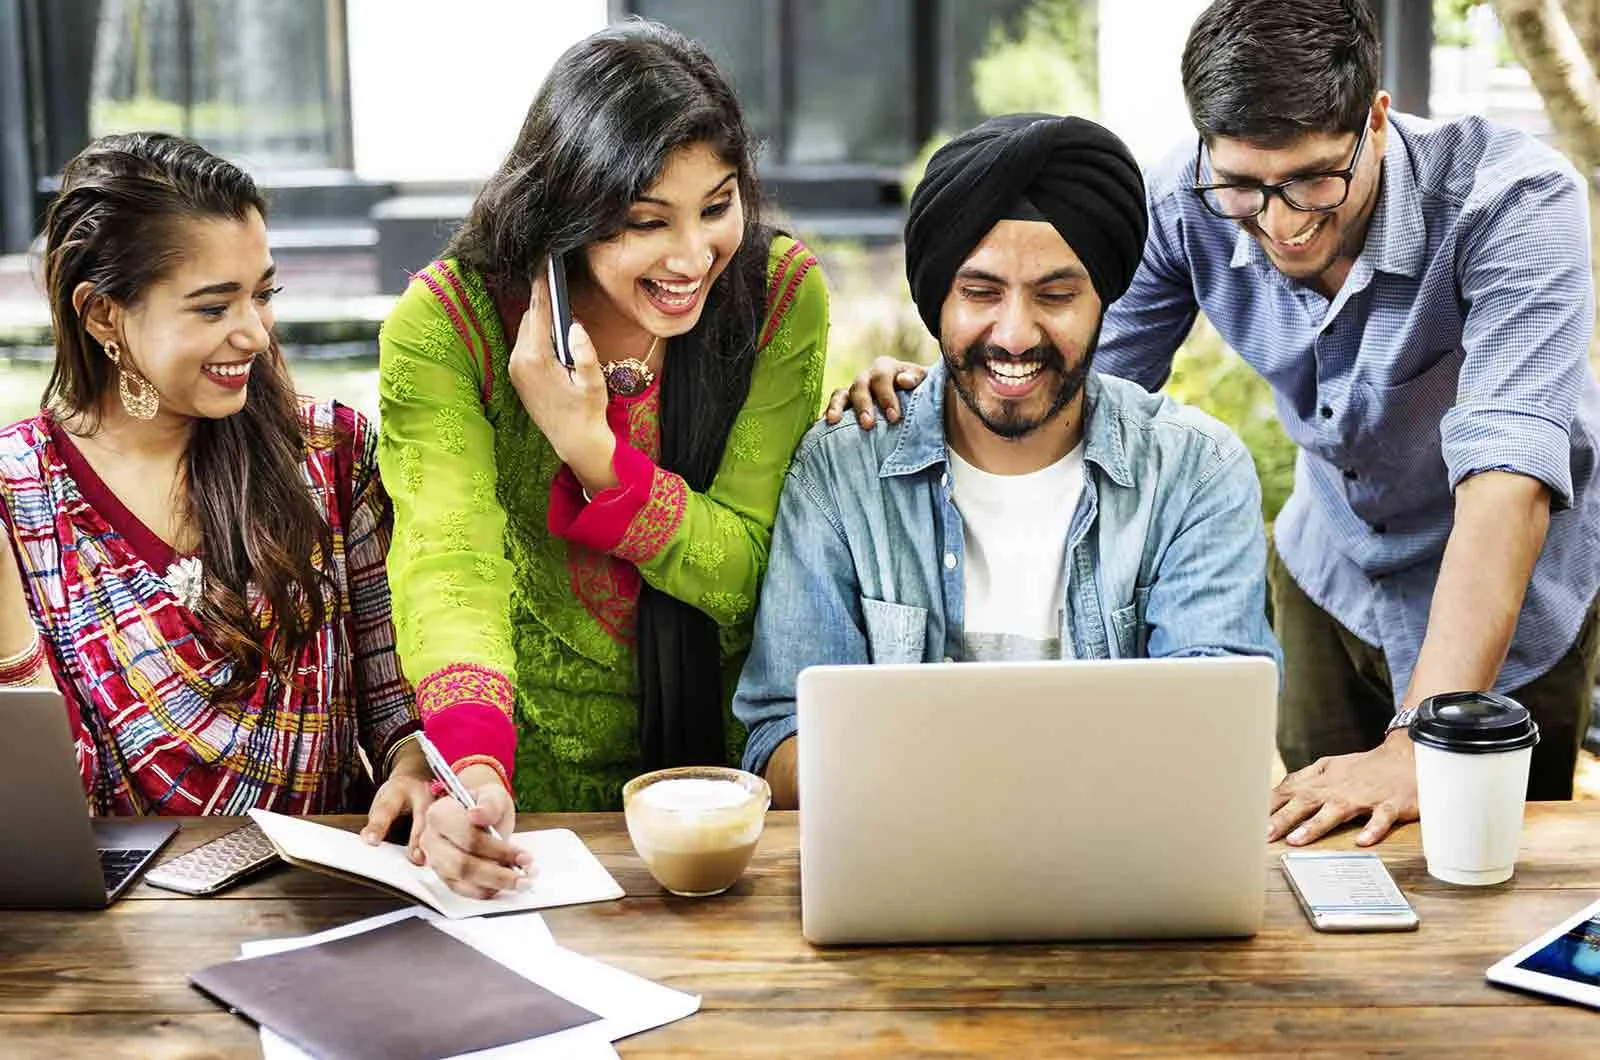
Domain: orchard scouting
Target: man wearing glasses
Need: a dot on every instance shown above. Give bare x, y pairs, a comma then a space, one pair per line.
1419, 297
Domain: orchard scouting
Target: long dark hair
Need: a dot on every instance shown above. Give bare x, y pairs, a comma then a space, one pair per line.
613, 109
117, 224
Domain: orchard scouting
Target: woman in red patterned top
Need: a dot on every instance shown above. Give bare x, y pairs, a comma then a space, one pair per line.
194, 557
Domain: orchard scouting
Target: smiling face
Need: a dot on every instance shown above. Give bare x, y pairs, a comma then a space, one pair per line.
1305, 245
679, 237
1018, 328
196, 332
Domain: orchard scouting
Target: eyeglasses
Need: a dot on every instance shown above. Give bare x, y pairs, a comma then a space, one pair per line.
1312, 193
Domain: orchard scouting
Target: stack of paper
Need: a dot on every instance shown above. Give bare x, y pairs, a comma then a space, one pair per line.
624, 1004
443, 979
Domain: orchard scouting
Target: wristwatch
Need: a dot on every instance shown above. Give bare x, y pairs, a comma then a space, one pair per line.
1402, 719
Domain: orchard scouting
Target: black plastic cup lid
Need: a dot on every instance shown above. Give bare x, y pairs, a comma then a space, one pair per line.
1474, 723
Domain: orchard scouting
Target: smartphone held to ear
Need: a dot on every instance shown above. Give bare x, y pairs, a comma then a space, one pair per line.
1347, 891
560, 311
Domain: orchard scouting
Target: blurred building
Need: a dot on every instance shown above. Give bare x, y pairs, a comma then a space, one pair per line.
371, 121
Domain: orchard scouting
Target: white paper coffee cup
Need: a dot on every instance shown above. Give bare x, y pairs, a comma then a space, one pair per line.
1473, 750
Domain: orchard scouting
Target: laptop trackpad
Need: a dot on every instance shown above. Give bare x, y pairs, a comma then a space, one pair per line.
132, 833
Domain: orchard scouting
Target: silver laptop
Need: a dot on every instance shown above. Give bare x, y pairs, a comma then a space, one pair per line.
53, 855
982, 802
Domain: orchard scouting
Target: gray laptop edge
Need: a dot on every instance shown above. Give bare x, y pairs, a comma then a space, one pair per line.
985, 802
49, 846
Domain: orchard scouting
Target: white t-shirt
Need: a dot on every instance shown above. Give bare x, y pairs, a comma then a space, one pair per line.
1016, 541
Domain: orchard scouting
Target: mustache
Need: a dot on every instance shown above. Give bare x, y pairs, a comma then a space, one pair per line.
980, 354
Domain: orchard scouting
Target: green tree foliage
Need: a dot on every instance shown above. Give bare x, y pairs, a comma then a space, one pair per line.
1210, 376
1048, 65
1450, 27
1046, 62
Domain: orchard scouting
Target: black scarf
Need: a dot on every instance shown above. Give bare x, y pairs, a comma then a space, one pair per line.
679, 646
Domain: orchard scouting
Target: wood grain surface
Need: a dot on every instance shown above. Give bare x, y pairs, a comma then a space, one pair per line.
114, 983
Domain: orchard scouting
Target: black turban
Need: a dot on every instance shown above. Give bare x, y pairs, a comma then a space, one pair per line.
1068, 171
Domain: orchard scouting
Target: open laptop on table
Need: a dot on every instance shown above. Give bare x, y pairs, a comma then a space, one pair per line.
53, 855
983, 802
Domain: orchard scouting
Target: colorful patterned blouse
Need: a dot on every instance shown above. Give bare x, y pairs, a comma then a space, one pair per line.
515, 597
139, 674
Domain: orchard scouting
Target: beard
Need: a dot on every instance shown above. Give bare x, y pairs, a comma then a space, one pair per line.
1012, 420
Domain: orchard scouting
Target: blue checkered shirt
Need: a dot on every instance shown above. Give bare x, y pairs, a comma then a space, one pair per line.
1458, 344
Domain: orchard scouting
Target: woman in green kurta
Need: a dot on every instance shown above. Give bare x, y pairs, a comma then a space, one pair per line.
577, 555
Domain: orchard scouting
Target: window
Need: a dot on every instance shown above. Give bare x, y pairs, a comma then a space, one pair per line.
259, 81
854, 90
841, 83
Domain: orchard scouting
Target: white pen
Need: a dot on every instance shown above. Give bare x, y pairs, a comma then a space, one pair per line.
452, 783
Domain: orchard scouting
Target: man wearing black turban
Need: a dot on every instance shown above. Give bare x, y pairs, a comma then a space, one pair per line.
1024, 507
1071, 173
1078, 180
1419, 296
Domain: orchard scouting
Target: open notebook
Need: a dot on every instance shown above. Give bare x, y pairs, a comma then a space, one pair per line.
567, 872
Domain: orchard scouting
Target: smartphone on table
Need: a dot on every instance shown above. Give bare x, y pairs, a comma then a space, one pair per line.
560, 310
1347, 890
216, 863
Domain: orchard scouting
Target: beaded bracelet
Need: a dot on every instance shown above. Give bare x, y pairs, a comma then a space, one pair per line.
22, 668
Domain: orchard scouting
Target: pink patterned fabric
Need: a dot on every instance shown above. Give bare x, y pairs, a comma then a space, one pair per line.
140, 674
466, 711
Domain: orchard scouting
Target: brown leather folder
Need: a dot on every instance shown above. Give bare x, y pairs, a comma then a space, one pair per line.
404, 991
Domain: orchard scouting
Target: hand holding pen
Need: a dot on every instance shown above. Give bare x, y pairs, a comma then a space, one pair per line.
465, 841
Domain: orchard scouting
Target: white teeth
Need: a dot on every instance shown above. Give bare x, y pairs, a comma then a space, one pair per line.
1304, 237
1013, 372
230, 370
674, 293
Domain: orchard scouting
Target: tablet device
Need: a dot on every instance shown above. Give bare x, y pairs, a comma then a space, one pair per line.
1564, 962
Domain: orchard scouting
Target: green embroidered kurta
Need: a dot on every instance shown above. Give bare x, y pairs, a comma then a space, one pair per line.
515, 598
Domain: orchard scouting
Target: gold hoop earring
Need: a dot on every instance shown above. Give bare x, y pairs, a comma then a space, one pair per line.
138, 396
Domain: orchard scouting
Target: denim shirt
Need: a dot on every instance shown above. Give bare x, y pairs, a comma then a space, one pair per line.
1166, 552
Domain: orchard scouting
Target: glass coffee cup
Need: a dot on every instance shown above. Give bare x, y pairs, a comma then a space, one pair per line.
696, 827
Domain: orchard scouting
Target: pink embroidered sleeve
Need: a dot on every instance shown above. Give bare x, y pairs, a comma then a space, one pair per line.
708, 548
466, 712
633, 520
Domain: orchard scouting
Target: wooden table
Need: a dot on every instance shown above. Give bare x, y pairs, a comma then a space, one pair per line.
112, 984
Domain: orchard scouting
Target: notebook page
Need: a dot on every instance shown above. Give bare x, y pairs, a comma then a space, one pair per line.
567, 872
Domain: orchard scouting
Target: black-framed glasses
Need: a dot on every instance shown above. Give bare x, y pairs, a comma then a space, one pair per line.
1312, 193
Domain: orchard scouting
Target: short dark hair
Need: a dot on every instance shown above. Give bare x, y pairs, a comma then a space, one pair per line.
1271, 71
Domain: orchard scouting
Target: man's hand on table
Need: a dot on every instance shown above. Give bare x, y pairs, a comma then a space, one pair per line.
1381, 783
457, 845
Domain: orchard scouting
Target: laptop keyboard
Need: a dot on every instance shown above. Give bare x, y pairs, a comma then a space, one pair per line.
118, 865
